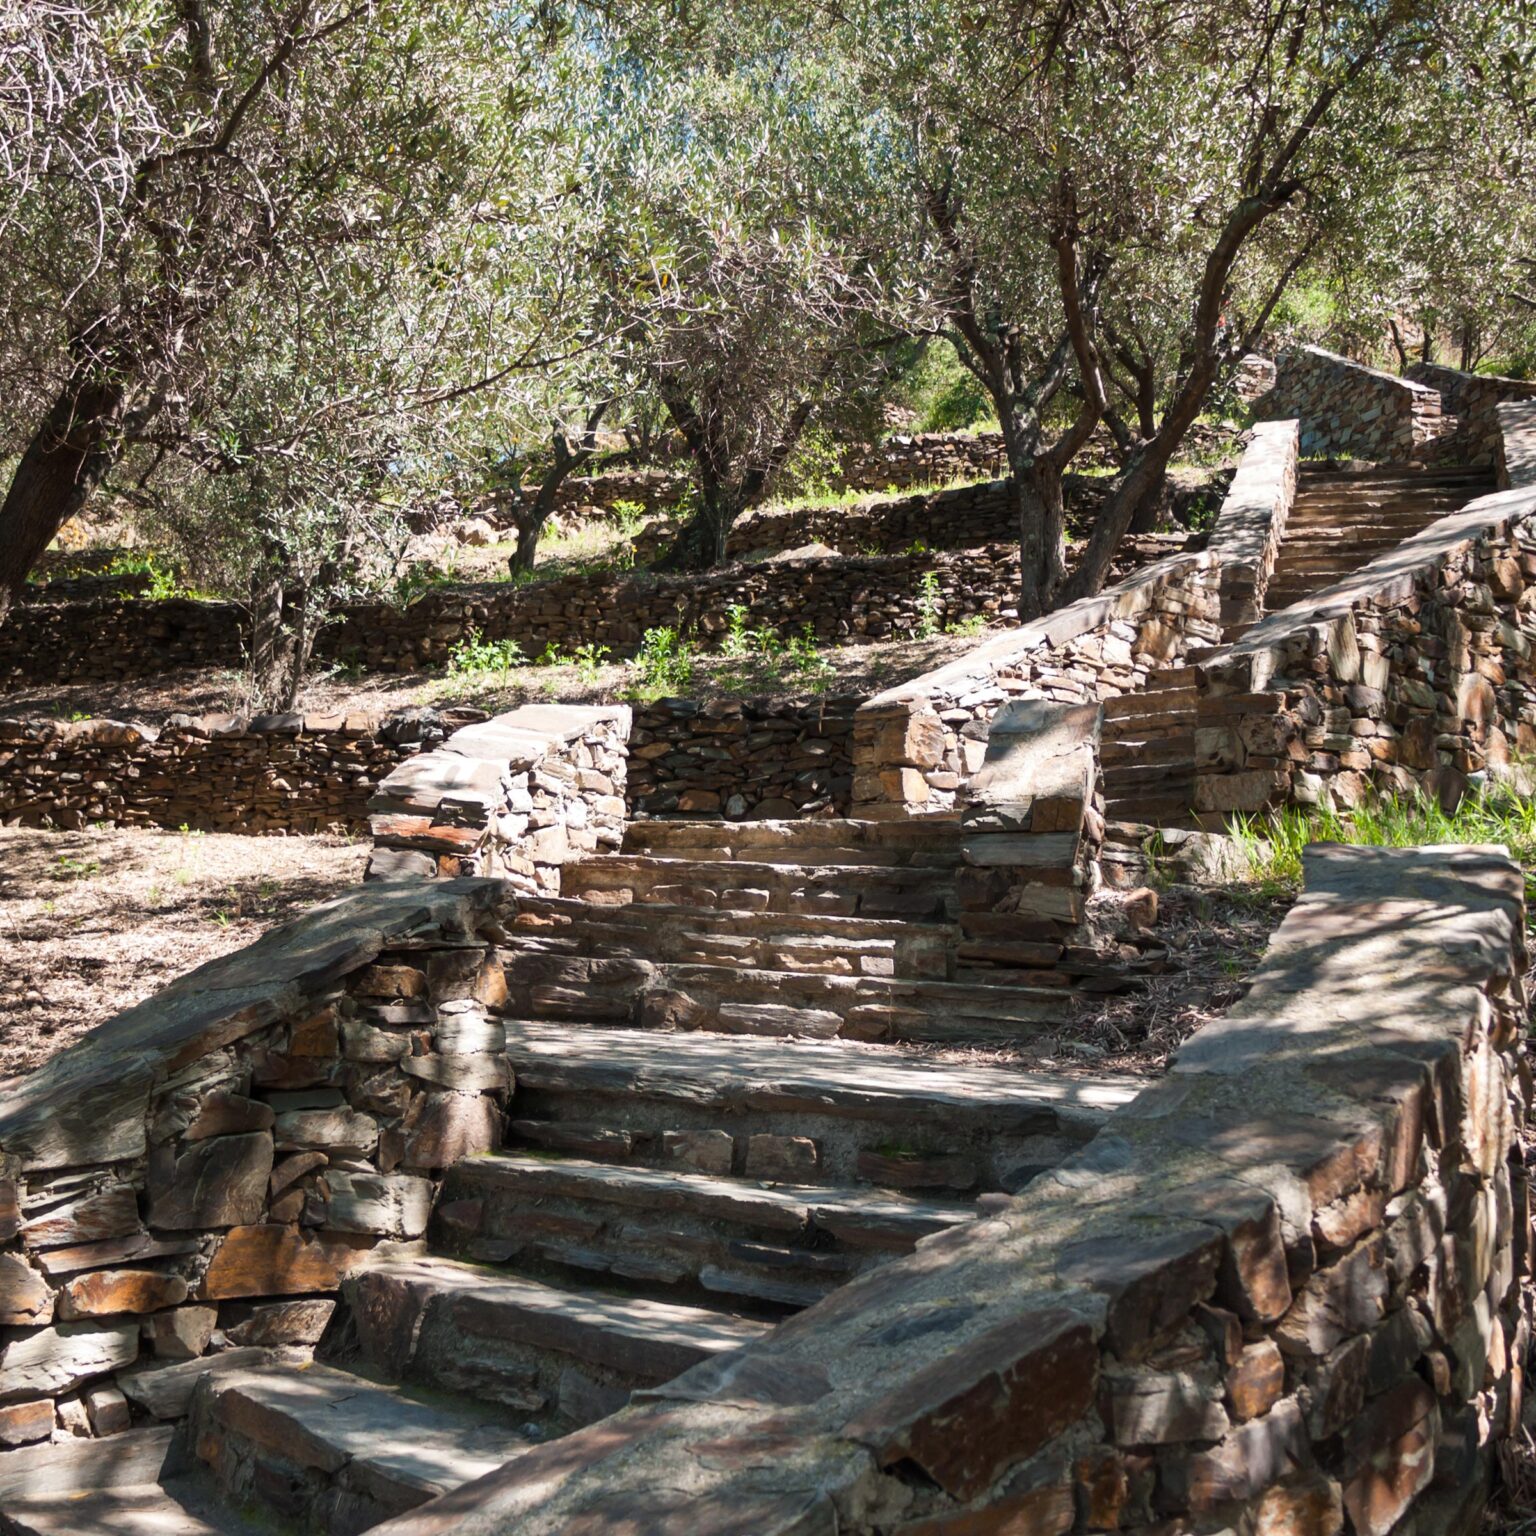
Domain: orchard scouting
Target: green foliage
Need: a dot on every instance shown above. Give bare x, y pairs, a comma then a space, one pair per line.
1273, 842
814, 469
930, 606
664, 663
476, 657
738, 634
943, 394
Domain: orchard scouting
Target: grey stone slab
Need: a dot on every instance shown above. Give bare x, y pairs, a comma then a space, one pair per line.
831, 1078
165, 1391
413, 1446
148, 1510
75, 1466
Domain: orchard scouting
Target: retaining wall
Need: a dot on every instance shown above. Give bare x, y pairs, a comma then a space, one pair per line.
164, 1182
1473, 399
1416, 673
213, 773
914, 745
1280, 1292
1248, 530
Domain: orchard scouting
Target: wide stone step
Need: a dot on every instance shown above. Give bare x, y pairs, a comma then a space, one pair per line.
783, 1243
834, 840
848, 890
333, 1451
178, 1508
766, 940
842, 1088
565, 1354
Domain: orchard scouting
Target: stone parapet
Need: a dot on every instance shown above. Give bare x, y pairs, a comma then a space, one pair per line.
914, 745
201, 1172
515, 797
1252, 519
1516, 457
1474, 400
1347, 410
1281, 1291
1414, 674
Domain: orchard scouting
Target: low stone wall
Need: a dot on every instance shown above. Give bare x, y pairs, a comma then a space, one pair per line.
924, 458
203, 1171
1280, 1292
1473, 399
1252, 519
1516, 456
1347, 410
212, 773
914, 745
742, 758
837, 600
1416, 673
515, 797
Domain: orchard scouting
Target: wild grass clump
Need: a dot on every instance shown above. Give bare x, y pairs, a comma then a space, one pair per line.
1499, 813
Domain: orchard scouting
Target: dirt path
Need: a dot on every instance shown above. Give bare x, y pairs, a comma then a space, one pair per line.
92, 922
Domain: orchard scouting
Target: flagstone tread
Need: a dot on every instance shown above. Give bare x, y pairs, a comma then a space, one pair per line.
783, 1207
761, 1072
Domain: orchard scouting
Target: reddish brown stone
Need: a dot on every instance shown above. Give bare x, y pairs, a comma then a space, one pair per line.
1254, 1279
989, 1404
109, 1292
1390, 1456
390, 980
1257, 1382
316, 1036
221, 1182
444, 1128
1345, 1299
112, 1212
222, 1113
1338, 1225
1042, 1512
1103, 1487
10, 1210
26, 1423
1309, 1506
280, 1261
1153, 1282
918, 1170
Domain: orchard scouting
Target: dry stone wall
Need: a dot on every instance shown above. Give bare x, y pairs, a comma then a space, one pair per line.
914, 745
1473, 399
1251, 523
742, 758
1280, 1292
1516, 457
515, 797
1347, 410
212, 773
200, 1174
1416, 673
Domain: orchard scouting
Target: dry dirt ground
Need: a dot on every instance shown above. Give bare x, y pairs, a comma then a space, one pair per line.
92, 922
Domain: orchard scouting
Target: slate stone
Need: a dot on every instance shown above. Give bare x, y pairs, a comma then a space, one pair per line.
224, 1113
221, 1182
182, 1333
113, 1292
25, 1297
987, 1404
26, 1423
57, 1360
272, 1260
280, 1323
387, 1205
340, 1132
445, 1128
109, 1213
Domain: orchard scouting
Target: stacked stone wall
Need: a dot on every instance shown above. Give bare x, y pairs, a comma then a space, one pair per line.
916, 744
1415, 674
1283, 1291
742, 758
516, 796
202, 1172
1347, 410
1473, 399
212, 773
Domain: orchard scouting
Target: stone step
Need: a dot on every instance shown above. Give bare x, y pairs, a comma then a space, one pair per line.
330, 1450
1149, 809
1145, 749
766, 940
178, 1508
783, 1243
1125, 779
849, 890
853, 1100
1391, 474
833, 840
567, 1355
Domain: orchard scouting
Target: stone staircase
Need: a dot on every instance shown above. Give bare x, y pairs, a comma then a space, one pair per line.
726, 1105
1340, 520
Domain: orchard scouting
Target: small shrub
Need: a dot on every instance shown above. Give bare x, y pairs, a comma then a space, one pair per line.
589, 661
738, 636
474, 656
930, 606
664, 663
807, 662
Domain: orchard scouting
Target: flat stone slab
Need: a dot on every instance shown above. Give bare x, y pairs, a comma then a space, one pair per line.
148, 1510
777, 1207
842, 1078
132, 1459
635, 1335
329, 1419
